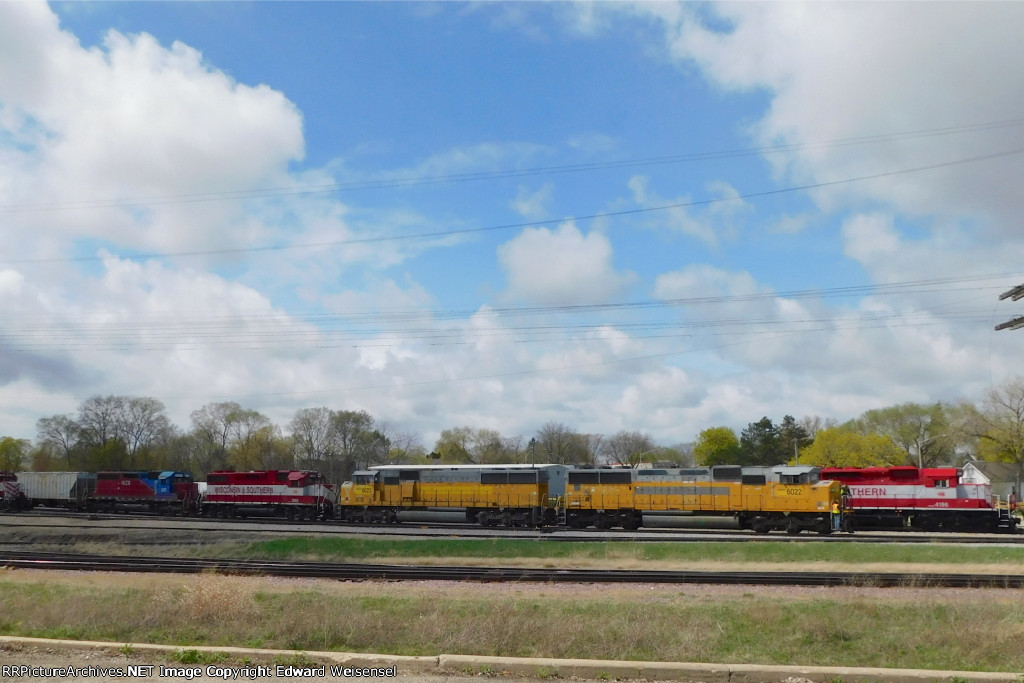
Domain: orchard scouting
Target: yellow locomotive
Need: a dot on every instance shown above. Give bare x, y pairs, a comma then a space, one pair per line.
760, 498
492, 495
793, 499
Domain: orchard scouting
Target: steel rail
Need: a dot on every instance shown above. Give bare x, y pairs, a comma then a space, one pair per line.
450, 529
351, 572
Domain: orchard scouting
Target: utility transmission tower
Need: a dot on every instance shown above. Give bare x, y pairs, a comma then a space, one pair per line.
1016, 293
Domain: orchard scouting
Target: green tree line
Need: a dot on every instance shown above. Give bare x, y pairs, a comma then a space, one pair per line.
127, 433
925, 435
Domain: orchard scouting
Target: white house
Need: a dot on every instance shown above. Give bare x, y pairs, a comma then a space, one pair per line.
1005, 477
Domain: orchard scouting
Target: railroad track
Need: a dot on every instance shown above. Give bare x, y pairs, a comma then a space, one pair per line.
354, 572
463, 530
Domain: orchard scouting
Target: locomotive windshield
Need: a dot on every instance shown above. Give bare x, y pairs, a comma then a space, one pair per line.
364, 478
798, 474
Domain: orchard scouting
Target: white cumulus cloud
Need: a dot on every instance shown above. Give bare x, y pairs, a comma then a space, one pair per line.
561, 266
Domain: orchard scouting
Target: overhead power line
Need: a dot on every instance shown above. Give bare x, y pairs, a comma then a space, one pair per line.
534, 224
731, 335
411, 181
401, 316
676, 318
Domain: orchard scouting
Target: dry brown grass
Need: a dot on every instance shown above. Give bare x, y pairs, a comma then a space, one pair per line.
914, 628
210, 600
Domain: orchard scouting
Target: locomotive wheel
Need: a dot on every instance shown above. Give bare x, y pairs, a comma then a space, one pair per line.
793, 526
760, 526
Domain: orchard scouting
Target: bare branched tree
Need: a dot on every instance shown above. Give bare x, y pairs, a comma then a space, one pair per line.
999, 424
629, 448
561, 444
60, 432
211, 426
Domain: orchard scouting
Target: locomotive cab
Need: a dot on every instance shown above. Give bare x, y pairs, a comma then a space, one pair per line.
359, 491
928, 499
796, 474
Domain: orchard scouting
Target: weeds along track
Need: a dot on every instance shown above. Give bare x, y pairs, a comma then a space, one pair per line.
357, 572
90, 522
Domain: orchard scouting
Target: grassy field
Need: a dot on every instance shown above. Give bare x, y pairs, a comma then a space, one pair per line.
903, 628
982, 631
497, 551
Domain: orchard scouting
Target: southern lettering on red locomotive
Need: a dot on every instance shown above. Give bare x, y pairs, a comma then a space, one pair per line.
929, 499
294, 494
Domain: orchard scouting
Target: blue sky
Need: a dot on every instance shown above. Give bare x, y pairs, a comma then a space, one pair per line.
506, 214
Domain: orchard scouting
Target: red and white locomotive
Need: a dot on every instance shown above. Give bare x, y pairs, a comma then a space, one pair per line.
929, 499
11, 497
295, 494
